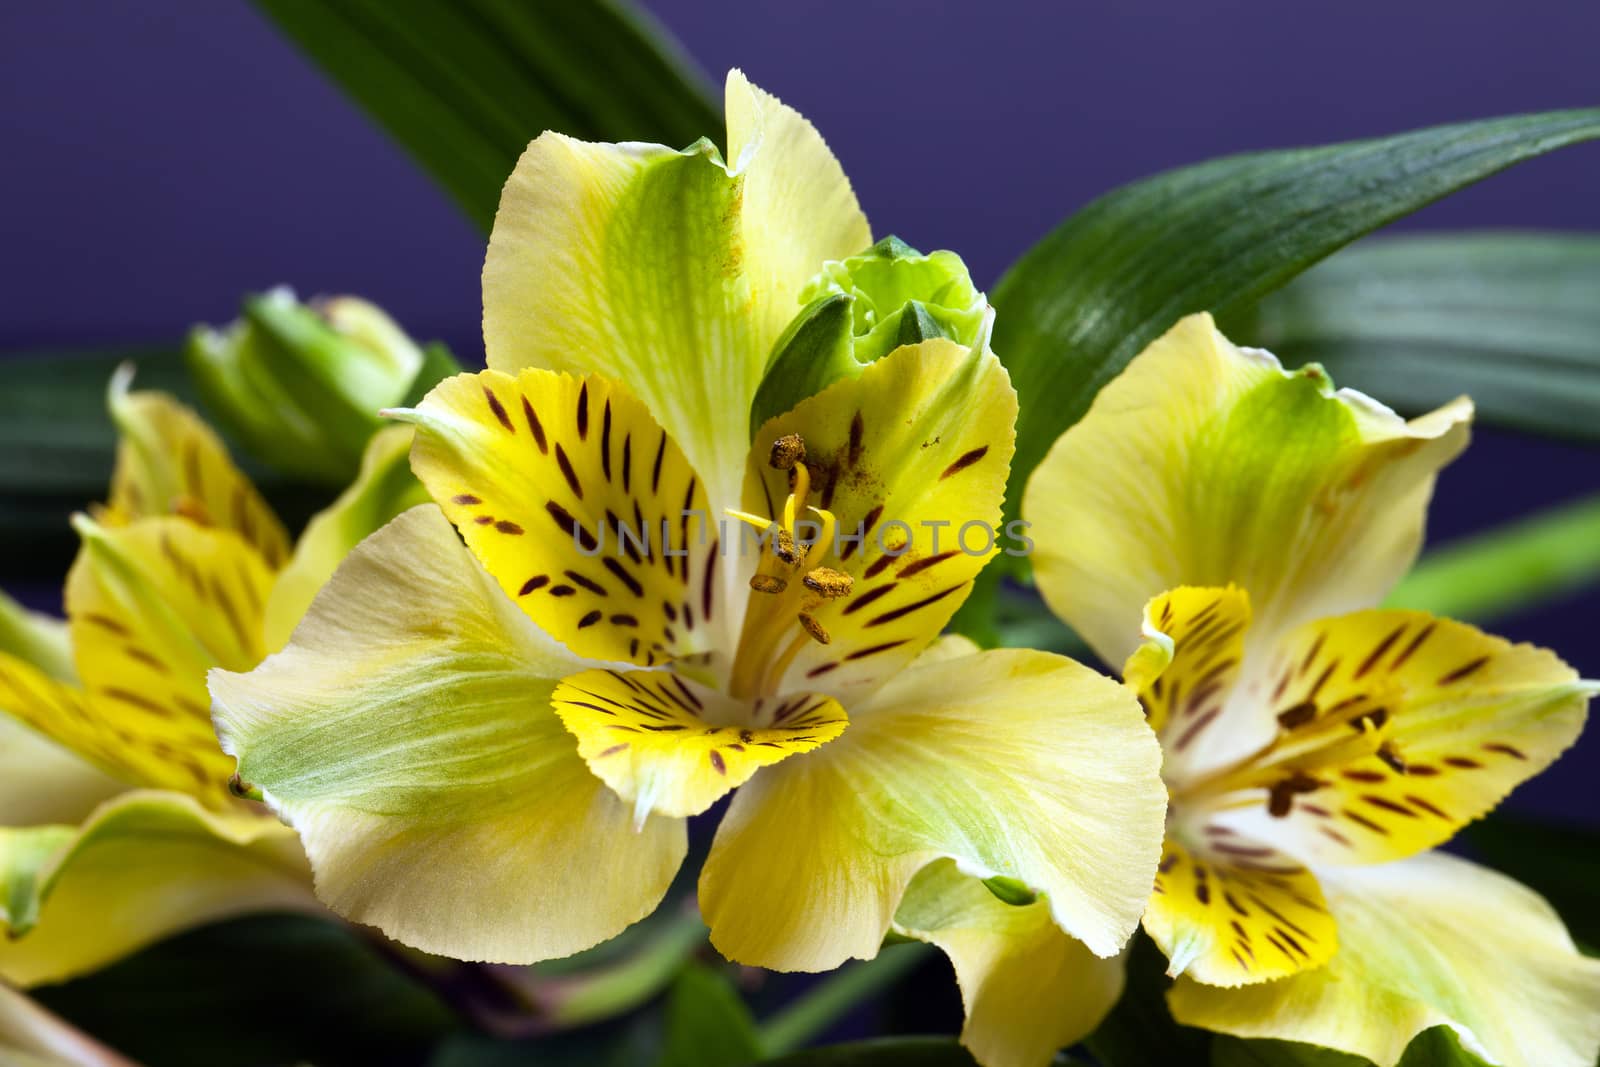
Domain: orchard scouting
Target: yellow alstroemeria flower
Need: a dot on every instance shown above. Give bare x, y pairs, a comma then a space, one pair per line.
490, 750
1316, 746
118, 824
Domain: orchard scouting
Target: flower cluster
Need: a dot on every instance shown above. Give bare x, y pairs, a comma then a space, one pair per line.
488, 723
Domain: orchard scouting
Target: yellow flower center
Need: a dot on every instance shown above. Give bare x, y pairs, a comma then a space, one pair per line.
788, 582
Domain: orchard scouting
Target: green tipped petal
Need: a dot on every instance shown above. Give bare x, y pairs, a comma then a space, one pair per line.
145, 865
674, 272
406, 732
1028, 988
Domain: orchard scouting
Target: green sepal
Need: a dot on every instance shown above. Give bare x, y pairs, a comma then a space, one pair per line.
858, 310
301, 385
1010, 891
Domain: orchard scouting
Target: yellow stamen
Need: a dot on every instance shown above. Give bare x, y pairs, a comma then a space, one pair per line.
768, 583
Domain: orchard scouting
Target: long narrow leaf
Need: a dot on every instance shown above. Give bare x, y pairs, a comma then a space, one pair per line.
1537, 559
1219, 236
1511, 318
465, 85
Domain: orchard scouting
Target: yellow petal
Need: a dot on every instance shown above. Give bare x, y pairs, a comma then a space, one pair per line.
798, 209
911, 458
1207, 464
541, 473
169, 462
664, 744
1013, 763
671, 271
152, 606
1186, 674
1401, 728
42, 781
406, 733
1230, 911
144, 866
1029, 989
1429, 941
383, 489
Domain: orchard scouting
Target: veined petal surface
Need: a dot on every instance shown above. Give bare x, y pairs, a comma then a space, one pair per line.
152, 606
672, 271
911, 458
144, 866
1429, 941
1013, 763
1207, 464
1029, 989
580, 505
1229, 911
1398, 728
671, 745
42, 780
406, 732
169, 462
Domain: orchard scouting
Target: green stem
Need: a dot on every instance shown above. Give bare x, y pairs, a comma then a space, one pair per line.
820, 1007
566, 1001
1517, 566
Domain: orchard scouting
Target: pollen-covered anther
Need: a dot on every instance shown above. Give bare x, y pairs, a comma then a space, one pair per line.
1280, 798
188, 507
1390, 755
786, 452
829, 582
785, 548
814, 628
768, 583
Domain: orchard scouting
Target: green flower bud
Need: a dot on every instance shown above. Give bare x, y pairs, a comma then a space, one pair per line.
301, 385
860, 309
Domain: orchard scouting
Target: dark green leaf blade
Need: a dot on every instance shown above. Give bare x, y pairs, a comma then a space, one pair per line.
265, 989
1219, 236
882, 1052
465, 86
1512, 319
1435, 1047
707, 1024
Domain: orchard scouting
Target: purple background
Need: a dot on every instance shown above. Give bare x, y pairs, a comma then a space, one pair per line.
161, 160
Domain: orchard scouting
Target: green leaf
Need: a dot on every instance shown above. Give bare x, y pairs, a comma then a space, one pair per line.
815, 1011
1219, 235
267, 989
1437, 1047
1562, 863
466, 85
1481, 578
57, 446
1511, 319
708, 1025
882, 1052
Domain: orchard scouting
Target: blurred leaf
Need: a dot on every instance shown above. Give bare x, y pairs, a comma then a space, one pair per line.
1140, 1030
1561, 862
883, 1052
708, 1025
57, 445
466, 85
1512, 319
817, 1010
1535, 559
263, 990
1436, 1047
1218, 235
